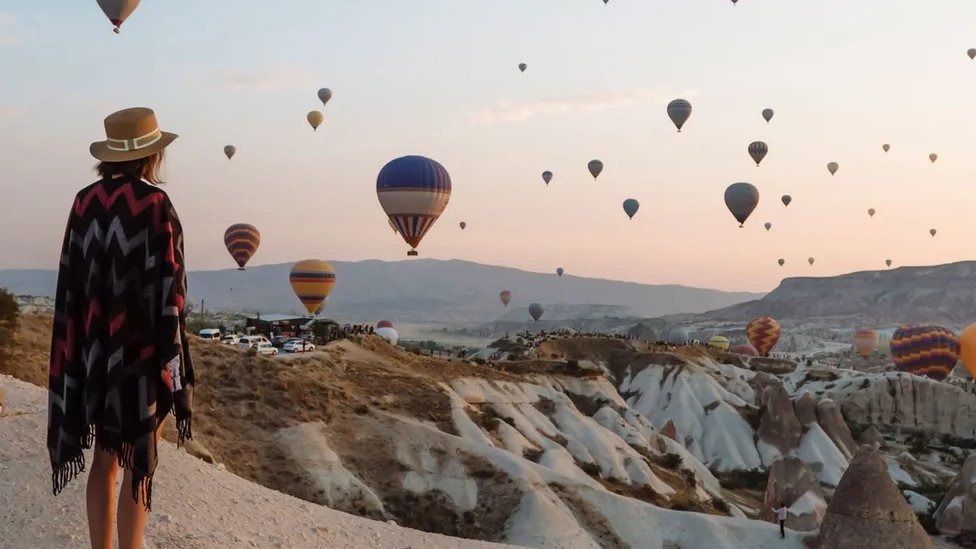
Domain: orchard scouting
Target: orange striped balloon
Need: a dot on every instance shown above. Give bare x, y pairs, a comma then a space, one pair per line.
763, 333
925, 350
312, 281
242, 241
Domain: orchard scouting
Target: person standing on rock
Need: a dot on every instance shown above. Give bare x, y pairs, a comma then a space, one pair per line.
119, 360
781, 514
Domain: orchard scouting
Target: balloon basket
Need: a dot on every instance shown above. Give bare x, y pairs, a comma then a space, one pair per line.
241, 269
412, 253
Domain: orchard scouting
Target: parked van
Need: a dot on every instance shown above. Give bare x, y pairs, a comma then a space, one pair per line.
210, 334
246, 342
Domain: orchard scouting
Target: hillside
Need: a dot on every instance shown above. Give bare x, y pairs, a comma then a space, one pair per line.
422, 291
944, 294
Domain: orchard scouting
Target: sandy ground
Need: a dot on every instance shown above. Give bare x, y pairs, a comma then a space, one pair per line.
196, 505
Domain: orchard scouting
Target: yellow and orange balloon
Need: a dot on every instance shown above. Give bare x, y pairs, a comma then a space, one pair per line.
865, 342
312, 281
763, 333
967, 348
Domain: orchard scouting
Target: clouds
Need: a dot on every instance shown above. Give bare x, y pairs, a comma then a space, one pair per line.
282, 78
7, 26
506, 112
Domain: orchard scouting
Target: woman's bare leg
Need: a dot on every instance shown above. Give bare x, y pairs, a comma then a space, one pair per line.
100, 499
132, 512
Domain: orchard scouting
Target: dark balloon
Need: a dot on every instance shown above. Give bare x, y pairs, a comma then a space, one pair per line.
741, 199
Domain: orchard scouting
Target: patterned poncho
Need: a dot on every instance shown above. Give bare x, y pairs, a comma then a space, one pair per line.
119, 362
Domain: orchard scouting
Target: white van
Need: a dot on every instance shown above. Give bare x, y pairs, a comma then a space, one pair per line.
246, 342
210, 334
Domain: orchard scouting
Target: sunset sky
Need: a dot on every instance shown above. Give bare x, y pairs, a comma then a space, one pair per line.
440, 78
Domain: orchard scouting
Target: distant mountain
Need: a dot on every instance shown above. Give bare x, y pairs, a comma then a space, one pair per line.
425, 290
944, 294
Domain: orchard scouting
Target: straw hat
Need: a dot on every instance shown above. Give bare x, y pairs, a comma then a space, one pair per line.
131, 134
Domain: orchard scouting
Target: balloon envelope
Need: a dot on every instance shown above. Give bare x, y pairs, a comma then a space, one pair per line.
832, 167
811, 261
547, 176
315, 119
932, 232
745, 349
384, 324
767, 114
886, 147
719, 342
630, 207
679, 111
679, 335
312, 281
463, 225
324, 95
242, 240
768, 225
522, 67
560, 271
413, 191
933, 157
535, 311
871, 212
925, 350
118, 11
967, 348
888, 262
505, 296
230, 151
971, 52
787, 199
763, 333
595, 167
389, 334
741, 199
865, 342
758, 150
781, 262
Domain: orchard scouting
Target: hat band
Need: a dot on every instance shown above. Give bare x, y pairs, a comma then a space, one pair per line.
124, 145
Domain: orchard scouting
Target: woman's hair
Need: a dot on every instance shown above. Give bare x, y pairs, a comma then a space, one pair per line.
147, 168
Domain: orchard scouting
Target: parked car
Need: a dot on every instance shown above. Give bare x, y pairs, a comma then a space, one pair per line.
210, 334
231, 339
246, 342
279, 341
298, 346
265, 348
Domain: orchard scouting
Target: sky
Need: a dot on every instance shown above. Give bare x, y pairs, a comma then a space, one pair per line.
439, 78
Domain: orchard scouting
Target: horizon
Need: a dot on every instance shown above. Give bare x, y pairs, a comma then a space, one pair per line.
434, 79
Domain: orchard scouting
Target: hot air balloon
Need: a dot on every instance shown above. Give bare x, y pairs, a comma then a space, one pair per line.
312, 281
678, 336
925, 350
781, 262
886, 147
535, 311
758, 151
933, 157
522, 67
118, 11
679, 111
595, 167
932, 232
392, 225
389, 334
871, 212
463, 225
865, 342
413, 191
768, 225
242, 240
741, 199
630, 207
315, 119
745, 350
324, 95
230, 151
811, 261
560, 271
506, 297
787, 199
967, 348
384, 324
888, 262
971, 53
832, 167
767, 114
547, 176
719, 342
763, 333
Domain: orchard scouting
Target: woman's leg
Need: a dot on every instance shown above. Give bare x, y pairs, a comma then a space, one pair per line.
100, 499
132, 512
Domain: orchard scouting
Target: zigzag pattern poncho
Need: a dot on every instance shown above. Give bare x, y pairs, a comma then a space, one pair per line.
119, 362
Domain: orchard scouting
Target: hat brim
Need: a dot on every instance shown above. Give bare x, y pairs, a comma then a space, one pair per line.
101, 151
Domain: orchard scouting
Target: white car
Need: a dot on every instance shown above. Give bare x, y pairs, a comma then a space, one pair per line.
298, 346
265, 348
246, 342
231, 339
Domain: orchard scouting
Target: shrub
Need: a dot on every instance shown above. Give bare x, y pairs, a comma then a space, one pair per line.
722, 506
754, 479
591, 469
9, 311
671, 461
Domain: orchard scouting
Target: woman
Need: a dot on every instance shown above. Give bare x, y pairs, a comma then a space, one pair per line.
119, 362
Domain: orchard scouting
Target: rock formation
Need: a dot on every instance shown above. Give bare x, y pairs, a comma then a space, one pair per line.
869, 511
779, 426
805, 408
832, 422
793, 483
872, 437
669, 430
957, 513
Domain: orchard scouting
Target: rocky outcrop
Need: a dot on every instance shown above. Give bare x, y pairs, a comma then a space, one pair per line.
912, 402
868, 511
832, 422
792, 483
779, 426
871, 436
956, 514
669, 430
805, 408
